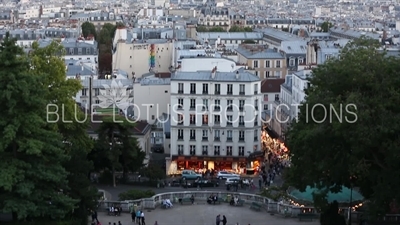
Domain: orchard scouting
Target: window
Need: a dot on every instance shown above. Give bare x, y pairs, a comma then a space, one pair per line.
180, 88
255, 89
180, 134
229, 104
180, 103
205, 89
205, 104
84, 92
192, 119
241, 135
192, 149
204, 150
291, 61
228, 135
265, 97
256, 73
256, 104
180, 149
192, 88
241, 89
255, 63
217, 90
241, 150
229, 150
267, 64
205, 135
278, 63
278, 74
255, 135
241, 120
217, 119
229, 89
229, 120
241, 105
217, 105
328, 56
217, 135
216, 150
192, 103
277, 97
192, 134
301, 61
265, 106
267, 74
205, 120
180, 119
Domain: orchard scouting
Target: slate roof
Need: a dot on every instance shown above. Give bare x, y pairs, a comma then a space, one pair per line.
219, 76
271, 85
230, 35
257, 52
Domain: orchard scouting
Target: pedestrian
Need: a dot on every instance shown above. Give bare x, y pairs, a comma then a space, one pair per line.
142, 217
224, 221
218, 220
133, 215
94, 216
156, 223
119, 223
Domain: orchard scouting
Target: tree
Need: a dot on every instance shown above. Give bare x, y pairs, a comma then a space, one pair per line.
236, 28
88, 28
153, 172
325, 26
216, 29
107, 34
249, 42
124, 152
33, 179
105, 61
359, 149
201, 29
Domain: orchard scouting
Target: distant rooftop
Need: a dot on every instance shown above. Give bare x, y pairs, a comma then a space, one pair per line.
230, 35
243, 76
253, 51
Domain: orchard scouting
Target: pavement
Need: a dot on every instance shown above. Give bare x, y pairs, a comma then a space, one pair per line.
204, 214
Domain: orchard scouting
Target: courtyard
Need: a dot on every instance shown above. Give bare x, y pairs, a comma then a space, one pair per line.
204, 214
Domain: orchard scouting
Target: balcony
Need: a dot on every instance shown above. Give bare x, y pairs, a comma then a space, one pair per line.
255, 138
180, 123
255, 123
216, 138
192, 122
229, 139
229, 108
217, 93
256, 92
205, 123
228, 124
217, 122
205, 92
180, 91
192, 138
217, 108
229, 93
180, 107
180, 152
241, 93
193, 92
204, 138
256, 108
241, 124
192, 152
204, 152
216, 152
192, 107
180, 137
241, 152
229, 152
241, 108
241, 139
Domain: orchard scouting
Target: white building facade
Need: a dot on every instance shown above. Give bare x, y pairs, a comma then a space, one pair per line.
215, 120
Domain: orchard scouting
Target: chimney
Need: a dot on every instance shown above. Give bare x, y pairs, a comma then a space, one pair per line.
237, 75
384, 35
213, 72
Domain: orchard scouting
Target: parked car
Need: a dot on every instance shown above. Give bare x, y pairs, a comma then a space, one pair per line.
224, 175
190, 175
237, 180
200, 183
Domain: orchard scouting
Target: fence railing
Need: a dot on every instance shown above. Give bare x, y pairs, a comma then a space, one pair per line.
153, 202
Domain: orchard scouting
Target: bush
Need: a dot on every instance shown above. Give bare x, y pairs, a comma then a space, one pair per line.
135, 194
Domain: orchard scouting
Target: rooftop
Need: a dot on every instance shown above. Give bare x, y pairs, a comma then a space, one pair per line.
243, 76
250, 51
271, 85
230, 35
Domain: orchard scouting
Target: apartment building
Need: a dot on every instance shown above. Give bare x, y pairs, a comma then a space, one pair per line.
295, 53
320, 51
229, 38
214, 14
97, 18
270, 89
151, 98
266, 63
215, 120
138, 57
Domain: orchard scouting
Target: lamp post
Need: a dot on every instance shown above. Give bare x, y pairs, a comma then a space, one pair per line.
351, 199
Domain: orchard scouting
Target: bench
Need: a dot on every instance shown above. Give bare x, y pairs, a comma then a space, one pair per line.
256, 206
185, 200
306, 216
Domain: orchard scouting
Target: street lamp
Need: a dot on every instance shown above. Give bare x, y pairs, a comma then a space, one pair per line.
351, 199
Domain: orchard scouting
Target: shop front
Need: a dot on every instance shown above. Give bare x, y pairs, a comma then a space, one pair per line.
201, 164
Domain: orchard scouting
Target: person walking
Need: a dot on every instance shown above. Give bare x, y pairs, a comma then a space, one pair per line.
224, 221
218, 220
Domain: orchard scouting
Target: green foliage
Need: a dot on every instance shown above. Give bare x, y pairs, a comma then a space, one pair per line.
153, 172
211, 29
118, 147
135, 194
88, 28
32, 154
325, 26
275, 193
235, 28
249, 42
105, 38
363, 84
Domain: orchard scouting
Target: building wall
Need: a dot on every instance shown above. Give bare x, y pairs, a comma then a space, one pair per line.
135, 58
262, 70
201, 64
144, 142
151, 101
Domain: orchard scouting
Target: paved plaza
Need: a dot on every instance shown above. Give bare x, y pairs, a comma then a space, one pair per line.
204, 214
